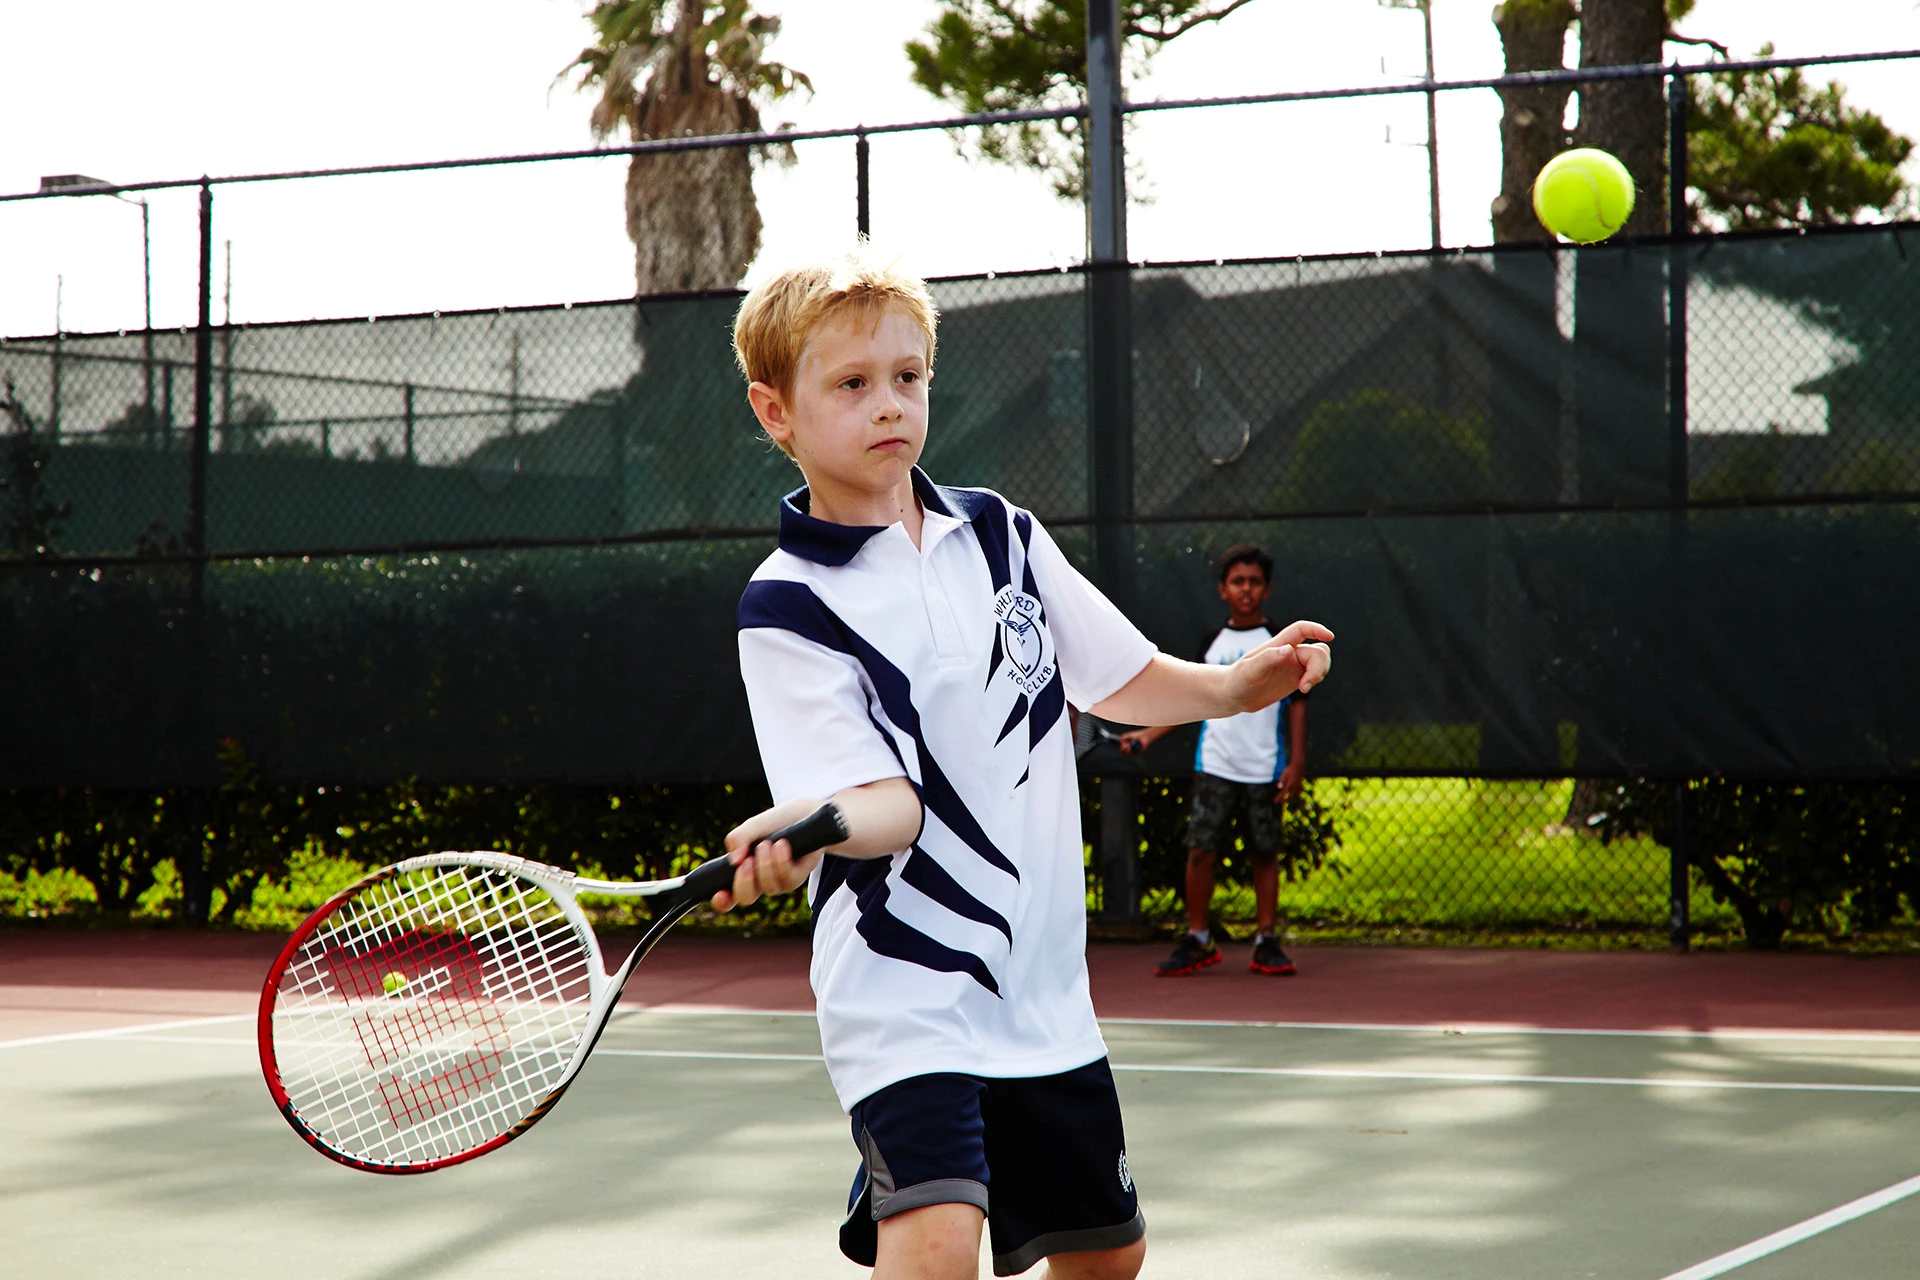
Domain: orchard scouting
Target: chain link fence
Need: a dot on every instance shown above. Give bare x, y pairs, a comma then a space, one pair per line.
484, 547
1428, 859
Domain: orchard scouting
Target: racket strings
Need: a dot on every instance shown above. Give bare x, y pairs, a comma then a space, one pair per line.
431, 1013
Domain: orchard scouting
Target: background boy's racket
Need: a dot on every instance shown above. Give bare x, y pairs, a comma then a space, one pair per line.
438, 1008
1089, 731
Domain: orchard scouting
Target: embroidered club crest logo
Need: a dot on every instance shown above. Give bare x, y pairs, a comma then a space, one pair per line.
1024, 639
1126, 1178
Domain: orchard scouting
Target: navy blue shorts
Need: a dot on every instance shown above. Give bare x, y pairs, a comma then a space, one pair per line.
1044, 1158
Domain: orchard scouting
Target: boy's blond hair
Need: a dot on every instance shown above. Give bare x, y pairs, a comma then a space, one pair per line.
780, 315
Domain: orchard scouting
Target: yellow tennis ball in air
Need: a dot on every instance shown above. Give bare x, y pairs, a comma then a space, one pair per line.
1584, 194
394, 982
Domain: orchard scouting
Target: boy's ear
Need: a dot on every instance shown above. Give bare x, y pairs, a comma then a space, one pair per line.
771, 408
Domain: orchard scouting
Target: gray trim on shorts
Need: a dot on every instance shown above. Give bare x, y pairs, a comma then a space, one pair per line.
885, 1199
939, 1191
1012, 1264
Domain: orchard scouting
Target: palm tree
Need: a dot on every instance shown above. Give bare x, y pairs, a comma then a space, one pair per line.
678, 68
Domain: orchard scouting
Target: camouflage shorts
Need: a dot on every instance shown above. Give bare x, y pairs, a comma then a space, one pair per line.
1216, 802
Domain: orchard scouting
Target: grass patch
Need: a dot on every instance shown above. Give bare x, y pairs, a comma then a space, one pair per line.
1429, 859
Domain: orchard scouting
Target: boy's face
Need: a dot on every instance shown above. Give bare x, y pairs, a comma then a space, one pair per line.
857, 416
1245, 591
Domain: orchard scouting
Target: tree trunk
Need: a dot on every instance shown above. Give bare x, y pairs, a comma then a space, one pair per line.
1589, 795
1627, 117
1534, 35
1763, 923
691, 215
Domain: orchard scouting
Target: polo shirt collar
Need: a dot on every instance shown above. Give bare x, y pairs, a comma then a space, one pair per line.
832, 545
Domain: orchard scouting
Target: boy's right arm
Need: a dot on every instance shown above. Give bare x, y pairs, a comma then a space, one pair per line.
881, 818
819, 739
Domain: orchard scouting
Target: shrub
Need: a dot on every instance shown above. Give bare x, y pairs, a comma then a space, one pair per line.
1837, 856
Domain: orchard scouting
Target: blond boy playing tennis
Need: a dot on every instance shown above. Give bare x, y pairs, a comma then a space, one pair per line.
909, 652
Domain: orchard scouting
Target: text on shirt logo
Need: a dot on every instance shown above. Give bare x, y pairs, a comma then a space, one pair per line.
1026, 641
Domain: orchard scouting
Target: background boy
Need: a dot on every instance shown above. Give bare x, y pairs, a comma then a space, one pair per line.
908, 653
1250, 763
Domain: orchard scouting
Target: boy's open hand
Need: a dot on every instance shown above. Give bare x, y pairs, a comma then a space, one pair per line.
1295, 660
759, 867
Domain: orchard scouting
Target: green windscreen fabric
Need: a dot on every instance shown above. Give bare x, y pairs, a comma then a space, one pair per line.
506, 546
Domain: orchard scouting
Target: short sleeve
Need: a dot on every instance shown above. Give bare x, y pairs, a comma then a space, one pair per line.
1098, 648
810, 717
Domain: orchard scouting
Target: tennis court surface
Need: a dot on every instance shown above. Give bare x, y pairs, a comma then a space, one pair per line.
1389, 1113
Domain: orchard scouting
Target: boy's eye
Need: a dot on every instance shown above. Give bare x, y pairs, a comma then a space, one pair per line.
854, 383
909, 375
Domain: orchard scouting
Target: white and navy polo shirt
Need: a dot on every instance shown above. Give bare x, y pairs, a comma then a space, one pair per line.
951, 665
1252, 746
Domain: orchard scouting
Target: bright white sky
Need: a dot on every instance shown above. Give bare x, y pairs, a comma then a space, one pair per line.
128, 90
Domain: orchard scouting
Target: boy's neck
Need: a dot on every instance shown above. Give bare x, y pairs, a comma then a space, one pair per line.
1246, 621
845, 504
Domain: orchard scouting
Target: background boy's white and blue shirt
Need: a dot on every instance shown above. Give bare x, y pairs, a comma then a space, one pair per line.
1252, 746
950, 664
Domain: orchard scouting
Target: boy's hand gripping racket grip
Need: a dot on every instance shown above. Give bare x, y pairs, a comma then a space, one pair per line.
824, 826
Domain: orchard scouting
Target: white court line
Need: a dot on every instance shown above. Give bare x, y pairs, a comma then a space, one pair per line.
1461, 1028
108, 1033
1793, 1235
1464, 1077
1341, 1073
1305, 1073
1524, 1029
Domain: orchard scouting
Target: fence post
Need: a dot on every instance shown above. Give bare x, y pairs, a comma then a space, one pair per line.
1677, 281
1110, 406
862, 186
53, 387
1109, 312
408, 394
1679, 873
196, 892
1119, 852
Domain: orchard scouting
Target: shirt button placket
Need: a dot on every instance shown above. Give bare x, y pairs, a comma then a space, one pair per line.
946, 633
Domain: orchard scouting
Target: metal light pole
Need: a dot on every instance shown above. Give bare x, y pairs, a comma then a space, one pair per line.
79, 184
1433, 124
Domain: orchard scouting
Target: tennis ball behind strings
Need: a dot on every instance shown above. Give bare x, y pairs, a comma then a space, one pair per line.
1584, 194
394, 983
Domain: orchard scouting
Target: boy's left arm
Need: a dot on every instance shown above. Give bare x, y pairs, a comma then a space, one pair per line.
1169, 691
1112, 670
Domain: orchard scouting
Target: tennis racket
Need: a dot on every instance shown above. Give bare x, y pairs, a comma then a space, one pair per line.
438, 1008
1091, 731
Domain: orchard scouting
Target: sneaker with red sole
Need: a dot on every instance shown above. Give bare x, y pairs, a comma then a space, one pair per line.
1269, 958
1190, 955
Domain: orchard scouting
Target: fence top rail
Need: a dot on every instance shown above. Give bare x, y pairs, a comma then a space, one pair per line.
781, 137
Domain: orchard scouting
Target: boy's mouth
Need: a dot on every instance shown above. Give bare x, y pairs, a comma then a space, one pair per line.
892, 444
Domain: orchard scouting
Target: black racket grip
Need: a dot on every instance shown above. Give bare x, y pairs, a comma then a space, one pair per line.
824, 826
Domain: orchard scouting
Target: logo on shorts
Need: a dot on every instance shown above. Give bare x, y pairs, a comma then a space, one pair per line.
1126, 1178
1024, 636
